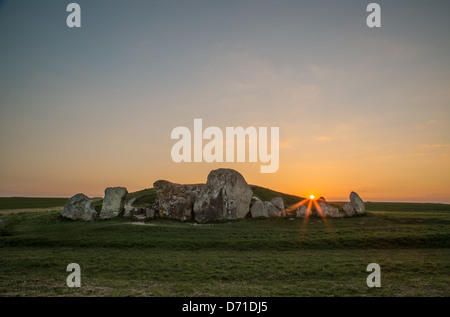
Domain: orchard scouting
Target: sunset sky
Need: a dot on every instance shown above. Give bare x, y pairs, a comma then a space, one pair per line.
359, 109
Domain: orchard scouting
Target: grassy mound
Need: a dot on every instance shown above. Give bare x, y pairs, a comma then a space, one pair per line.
267, 194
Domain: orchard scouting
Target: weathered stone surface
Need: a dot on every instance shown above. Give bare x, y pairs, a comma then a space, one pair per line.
259, 210
301, 211
329, 210
278, 202
139, 217
176, 201
79, 207
264, 209
226, 195
128, 207
348, 209
357, 203
254, 200
113, 203
272, 211
155, 207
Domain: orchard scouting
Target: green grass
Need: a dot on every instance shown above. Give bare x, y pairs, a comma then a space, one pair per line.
271, 257
267, 194
144, 198
409, 207
25, 202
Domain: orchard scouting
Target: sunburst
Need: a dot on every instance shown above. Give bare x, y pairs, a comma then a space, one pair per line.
309, 202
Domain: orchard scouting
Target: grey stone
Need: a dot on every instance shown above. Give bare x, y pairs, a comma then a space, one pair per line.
79, 207
264, 209
254, 200
348, 209
176, 201
301, 211
329, 210
129, 207
150, 213
155, 205
278, 202
139, 217
113, 203
258, 210
357, 203
272, 211
226, 195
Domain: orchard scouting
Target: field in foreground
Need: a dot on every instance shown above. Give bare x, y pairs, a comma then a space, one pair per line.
275, 257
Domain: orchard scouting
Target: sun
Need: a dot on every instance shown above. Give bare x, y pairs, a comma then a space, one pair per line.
312, 205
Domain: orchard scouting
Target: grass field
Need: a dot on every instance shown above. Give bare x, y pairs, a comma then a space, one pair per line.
274, 257
25, 202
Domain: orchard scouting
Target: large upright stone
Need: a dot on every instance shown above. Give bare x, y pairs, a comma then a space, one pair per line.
113, 203
357, 203
258, 210
128, 207
79, 207
226, 195
278, 202
272, 211
348, 209
176, 201
301, 211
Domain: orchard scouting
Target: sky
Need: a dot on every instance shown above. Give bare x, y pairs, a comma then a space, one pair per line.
358, 109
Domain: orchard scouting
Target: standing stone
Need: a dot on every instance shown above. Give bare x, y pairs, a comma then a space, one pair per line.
113, 203
176, 201
264, 209
301, 211
348, 209
278, 202
226, 195
258, 210
357, 203
79, 207
329, 210
128, 208
272, 211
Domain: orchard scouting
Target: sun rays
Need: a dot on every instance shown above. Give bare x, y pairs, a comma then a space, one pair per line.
309, 203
